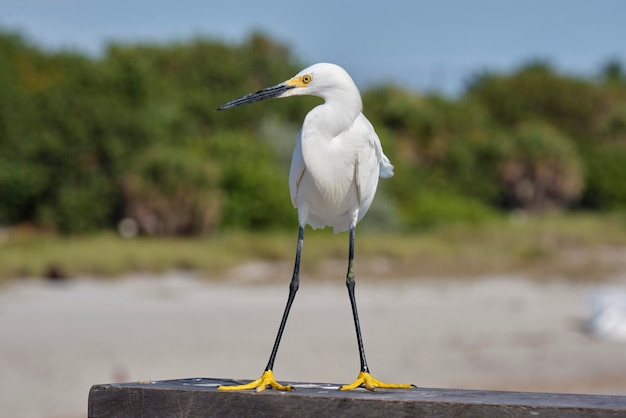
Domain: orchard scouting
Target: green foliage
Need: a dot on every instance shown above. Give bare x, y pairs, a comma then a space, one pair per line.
472, 165
446, 156
173, 190
256, 189
71, 129
85, 142
541, 169
57, 133
536, 91
606, 177
428, 208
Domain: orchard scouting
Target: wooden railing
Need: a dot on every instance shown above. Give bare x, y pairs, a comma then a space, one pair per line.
187, 398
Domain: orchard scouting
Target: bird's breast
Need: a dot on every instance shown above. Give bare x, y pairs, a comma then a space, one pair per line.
329, 172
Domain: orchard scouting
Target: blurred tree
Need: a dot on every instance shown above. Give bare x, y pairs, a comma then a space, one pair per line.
613, 72
444, 154
537, 92
541, 169
255, 188
84, 141
173, 190
606, 177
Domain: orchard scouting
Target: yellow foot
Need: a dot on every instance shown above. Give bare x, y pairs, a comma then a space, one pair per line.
372, 384
267, 379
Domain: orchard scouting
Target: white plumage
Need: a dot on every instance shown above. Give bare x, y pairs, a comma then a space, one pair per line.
336, 163
337, 158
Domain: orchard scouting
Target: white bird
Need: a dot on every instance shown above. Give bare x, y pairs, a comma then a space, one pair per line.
334, 174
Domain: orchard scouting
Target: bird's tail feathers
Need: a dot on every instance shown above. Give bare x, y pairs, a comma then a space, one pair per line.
386, 168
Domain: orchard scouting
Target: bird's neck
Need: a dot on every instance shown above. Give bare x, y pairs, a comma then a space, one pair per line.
337, 113
327, 158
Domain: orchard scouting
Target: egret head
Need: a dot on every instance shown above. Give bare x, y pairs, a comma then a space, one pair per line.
323, 80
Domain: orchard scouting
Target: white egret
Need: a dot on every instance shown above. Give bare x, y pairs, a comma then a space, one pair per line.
334, 174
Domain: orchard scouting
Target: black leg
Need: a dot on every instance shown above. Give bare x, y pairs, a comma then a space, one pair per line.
350, 284
364, 379
267, 379
293, 288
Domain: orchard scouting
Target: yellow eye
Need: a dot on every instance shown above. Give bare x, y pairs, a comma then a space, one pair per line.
306, 79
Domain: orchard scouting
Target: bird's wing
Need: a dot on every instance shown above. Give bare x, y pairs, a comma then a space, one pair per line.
297, 169
371, 162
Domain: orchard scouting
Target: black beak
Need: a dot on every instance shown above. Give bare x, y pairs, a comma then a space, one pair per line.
268, 93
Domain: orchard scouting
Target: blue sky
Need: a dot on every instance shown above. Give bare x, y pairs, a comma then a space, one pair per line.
434, 44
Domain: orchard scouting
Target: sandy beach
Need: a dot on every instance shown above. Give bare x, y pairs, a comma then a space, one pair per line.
507, 333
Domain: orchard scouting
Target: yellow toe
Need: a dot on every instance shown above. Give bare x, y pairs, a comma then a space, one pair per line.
267, 379
372, 384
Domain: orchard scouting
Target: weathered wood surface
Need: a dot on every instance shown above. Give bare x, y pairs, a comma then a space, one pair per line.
199, 397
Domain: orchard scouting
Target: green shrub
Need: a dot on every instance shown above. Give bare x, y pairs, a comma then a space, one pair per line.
429, 208
21, 184
173, 190
541, 169
606, 177
472, 163
536, 91
85, 140
256, 190
81, 205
